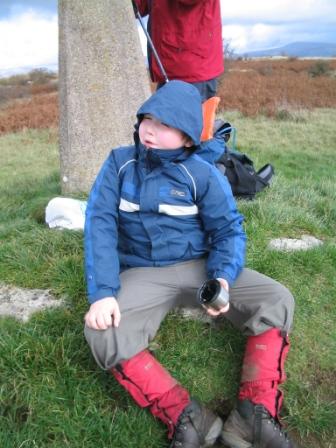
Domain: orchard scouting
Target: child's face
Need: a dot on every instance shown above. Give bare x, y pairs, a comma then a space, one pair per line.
156, 135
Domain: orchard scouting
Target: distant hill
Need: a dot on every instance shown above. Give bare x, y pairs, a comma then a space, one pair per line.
296, 49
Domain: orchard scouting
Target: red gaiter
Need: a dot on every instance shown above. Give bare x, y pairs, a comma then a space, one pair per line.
152, 386
263, 370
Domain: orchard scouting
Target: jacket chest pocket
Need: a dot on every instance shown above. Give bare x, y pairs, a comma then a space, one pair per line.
175, 200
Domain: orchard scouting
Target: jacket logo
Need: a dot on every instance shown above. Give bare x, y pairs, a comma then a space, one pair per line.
177, 193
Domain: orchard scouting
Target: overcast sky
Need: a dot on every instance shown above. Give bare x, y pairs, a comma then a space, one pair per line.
28, 28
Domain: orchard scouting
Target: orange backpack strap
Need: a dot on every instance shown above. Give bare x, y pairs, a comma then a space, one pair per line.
209, 108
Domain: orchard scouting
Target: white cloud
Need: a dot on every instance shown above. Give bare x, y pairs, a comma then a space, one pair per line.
278, 10
263, 24
28, 40
255, 36
142, 36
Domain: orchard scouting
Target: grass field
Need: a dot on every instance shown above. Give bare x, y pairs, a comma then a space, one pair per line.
51, 392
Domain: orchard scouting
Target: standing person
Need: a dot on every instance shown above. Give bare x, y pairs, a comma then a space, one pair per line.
187, 35
161, 221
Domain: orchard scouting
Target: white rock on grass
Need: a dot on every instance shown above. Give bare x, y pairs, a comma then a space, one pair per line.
291, 244
22, 303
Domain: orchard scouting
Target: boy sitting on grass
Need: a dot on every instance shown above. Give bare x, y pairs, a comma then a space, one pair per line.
160, 221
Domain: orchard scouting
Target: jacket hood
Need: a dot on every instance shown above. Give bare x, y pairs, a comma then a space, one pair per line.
176, 104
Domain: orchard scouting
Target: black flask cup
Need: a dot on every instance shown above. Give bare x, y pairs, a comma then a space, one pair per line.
213, 294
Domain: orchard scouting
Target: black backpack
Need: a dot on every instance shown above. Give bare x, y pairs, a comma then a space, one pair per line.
245, 181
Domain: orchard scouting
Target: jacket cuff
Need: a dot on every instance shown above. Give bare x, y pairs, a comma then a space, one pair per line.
102, 294
225, 276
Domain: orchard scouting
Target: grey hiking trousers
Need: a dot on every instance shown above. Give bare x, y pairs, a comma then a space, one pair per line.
257, 303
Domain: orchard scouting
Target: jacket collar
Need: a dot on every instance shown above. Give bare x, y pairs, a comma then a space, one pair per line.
157, 157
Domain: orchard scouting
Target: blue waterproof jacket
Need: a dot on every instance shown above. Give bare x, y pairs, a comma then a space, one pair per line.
152, 207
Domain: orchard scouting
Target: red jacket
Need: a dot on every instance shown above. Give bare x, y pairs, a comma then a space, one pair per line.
187, 35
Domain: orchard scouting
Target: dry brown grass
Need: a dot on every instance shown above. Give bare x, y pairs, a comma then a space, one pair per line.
40, 111
8, 93
271, 87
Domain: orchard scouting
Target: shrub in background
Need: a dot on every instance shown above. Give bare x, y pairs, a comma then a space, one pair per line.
320, 68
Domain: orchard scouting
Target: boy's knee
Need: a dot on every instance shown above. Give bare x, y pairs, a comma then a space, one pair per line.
112, 346
284, 302
285, 296
101, 343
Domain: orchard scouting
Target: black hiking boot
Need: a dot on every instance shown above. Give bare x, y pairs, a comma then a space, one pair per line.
251, 426
197, 427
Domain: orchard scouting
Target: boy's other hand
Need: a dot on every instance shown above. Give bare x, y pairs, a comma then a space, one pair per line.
212, 311
103, 314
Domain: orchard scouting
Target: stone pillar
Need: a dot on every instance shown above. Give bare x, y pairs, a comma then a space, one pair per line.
102, 81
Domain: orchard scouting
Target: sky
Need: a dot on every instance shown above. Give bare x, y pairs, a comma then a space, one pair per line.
29, 28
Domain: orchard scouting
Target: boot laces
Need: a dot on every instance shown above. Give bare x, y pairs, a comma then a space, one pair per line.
181, 426
262, 414
277, 427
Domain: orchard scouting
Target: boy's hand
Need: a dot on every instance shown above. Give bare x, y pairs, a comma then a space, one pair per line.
212, 311
103, 314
